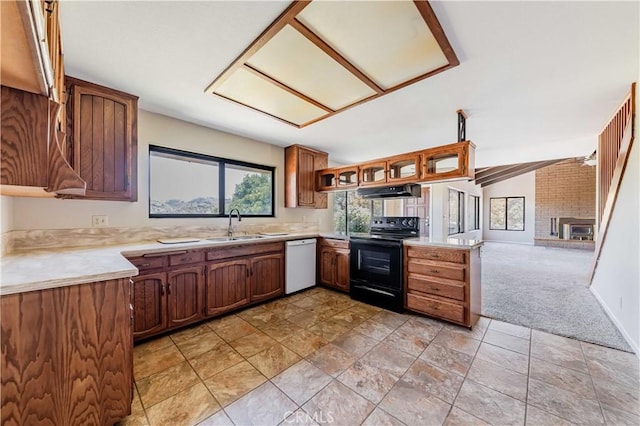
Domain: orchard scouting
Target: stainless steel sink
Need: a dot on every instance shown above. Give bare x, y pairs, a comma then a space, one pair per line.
238, 238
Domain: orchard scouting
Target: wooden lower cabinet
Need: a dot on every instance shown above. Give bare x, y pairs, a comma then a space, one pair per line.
267, 276
67, 355
333, 263
184, 296
443, 283
150, 304
203, 284
227, 286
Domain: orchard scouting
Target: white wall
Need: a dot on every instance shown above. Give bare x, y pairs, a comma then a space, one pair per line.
616, 283
6, 214
519, 186
440, 209
45, 213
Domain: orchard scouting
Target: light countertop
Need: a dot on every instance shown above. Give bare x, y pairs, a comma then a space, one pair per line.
455, 243
45, 269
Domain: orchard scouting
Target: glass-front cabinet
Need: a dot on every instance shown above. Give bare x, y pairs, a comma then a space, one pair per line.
403, 168
449, 161
347, 177
373, 173
326, 180
338, 178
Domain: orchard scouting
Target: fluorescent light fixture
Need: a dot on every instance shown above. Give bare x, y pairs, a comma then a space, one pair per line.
322, 57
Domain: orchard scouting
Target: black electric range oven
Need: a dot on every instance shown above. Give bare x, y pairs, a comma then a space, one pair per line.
376, 261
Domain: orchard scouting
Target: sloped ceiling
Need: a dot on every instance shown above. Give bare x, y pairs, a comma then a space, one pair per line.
537, 79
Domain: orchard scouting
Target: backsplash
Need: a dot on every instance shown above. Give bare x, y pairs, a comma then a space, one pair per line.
20, 241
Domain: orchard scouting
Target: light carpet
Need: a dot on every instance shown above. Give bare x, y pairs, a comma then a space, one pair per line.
545, 289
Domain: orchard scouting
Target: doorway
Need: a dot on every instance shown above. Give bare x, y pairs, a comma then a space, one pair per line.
420, 207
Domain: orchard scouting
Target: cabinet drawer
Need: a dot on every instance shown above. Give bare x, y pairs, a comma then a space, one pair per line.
334, 243
437, 286
437, 269
244, 250
185, 258
437, 254
437, 308
143, 263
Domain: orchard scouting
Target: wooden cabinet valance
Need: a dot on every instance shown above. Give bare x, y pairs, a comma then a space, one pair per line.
447, 162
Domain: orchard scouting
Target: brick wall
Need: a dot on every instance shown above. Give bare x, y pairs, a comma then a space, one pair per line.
566, 189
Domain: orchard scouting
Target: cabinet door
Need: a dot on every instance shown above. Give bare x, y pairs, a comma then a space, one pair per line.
103, 131
405, 168
227, 286
373, 173
149, 304
342, 269
306, 178
327, 258
184, 295
267, 276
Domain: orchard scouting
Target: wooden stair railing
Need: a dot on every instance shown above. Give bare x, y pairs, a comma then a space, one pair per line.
614, 147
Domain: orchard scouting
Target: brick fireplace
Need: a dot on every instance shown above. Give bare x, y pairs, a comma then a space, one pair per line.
565, 201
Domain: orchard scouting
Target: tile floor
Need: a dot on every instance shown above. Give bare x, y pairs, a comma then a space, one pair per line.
318, 357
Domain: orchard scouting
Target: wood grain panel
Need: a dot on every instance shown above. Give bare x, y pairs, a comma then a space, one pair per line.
342, 269
108, 136
149, 304
105, 135
436, 269
67, 355
440, 255
84, 138
439, 308
120, 157
438, 286
227, 252
227, 286
186, 258
267, 276
184, 295
97, 146
25, 133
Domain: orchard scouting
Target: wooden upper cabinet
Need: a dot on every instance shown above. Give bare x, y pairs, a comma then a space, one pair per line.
404, 168
301, 164
102, 127
373, 173
338, 178
449, 161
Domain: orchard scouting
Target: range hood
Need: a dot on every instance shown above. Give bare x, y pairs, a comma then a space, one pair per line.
396, 191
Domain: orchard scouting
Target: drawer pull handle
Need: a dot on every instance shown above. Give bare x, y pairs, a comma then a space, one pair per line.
434, 271
145, 265
186, 259
435, 256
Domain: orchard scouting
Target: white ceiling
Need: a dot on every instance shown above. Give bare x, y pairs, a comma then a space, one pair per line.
537, 79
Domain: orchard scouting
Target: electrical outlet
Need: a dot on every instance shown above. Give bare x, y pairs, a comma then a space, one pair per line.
99, 220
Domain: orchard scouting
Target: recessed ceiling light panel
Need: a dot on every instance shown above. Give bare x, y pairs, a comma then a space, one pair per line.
320, 58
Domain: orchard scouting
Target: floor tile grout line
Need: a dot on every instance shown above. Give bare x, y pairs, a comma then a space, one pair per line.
466, 374
526, 395
595, 391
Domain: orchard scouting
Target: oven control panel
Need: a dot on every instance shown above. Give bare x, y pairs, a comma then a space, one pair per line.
397, 223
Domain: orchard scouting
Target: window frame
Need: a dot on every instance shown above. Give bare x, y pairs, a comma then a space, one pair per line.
506, 215
474, 225
222, 162
461, 211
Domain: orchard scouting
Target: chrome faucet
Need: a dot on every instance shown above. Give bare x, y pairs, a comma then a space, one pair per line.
230, 230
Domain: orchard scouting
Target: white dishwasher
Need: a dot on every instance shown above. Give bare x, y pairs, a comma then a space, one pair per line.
301, 265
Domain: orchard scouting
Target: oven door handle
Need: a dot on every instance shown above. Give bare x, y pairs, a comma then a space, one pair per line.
373, 242
375, 290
